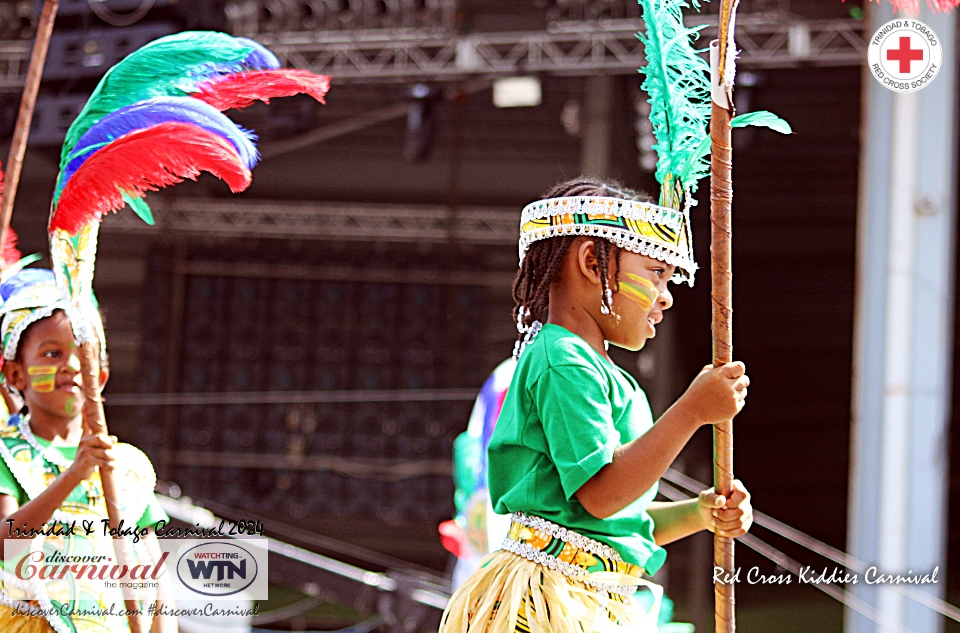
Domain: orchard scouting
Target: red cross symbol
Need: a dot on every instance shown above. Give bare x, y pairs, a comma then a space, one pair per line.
905, 54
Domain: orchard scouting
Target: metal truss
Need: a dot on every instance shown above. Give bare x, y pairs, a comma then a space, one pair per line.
567, 48
14, 57
327, 221
256, 17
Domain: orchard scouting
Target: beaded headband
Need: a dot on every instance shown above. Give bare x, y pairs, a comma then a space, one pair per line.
639, 227
30, 295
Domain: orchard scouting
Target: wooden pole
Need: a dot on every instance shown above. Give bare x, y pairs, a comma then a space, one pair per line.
28, 101
95, 422
721, 268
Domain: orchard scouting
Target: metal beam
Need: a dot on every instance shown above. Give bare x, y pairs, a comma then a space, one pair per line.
326, 221
567, 48
570, 49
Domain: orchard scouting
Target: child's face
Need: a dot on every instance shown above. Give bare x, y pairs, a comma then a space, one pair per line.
639, 303
48, 369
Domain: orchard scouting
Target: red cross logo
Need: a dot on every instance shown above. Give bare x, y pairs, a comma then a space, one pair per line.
905, 55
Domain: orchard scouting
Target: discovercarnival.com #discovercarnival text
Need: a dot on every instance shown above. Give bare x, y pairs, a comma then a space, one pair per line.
151, 610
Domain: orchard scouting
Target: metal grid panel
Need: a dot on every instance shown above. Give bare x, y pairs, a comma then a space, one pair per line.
573, 47
388, 461
361, 222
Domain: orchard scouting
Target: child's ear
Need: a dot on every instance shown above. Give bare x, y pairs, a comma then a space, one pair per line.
587, 260
104, 376
15, 375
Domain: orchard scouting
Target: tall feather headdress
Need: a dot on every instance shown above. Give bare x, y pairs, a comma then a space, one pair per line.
677, 81
154, 120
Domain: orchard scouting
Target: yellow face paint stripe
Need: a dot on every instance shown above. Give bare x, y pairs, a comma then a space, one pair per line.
43, 378
640, 290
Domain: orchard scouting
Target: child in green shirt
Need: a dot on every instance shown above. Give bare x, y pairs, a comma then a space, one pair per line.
575, 455
50, 472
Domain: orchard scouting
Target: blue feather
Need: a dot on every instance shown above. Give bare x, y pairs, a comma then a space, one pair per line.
170, 66
145, 114
260, 58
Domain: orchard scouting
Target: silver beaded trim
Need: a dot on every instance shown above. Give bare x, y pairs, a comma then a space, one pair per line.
552, 562
625, 239
567, 536
46, 606
10, 349
600, 205
570, 571
30, 486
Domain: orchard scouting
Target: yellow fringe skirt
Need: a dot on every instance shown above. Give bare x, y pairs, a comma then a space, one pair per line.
12, 623
548, 579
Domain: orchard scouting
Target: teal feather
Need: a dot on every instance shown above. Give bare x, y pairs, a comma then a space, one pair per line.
141, 208
170, 66
760, 118
677, 81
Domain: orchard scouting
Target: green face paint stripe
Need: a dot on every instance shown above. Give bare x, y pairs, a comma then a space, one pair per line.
643, 292
643, 281
42, 378
636, 294
42, 384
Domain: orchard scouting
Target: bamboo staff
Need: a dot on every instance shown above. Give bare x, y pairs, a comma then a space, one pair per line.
721, 198
28, 102
95, 422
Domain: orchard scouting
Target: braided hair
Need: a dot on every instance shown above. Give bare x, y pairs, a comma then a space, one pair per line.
531, 288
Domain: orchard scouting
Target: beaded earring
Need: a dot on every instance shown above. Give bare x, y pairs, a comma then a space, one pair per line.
605, 305
529, 331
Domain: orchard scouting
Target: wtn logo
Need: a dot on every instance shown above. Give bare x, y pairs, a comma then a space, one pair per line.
218, 568
224, 569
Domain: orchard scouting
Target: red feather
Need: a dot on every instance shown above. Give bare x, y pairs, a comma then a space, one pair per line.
9, 253
239, 90
145, 160
912, 7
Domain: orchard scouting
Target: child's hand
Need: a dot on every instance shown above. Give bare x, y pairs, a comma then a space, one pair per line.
717, 393
94, 451
726, 517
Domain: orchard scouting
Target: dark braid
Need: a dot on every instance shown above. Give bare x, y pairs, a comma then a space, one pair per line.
531, 289
532, 286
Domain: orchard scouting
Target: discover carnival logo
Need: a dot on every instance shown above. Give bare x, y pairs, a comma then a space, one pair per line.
217, 569
904, 55
63, 569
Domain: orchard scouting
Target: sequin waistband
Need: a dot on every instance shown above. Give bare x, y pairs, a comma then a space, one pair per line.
568, 552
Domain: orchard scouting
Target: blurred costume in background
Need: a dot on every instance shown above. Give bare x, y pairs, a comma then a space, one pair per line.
476, 530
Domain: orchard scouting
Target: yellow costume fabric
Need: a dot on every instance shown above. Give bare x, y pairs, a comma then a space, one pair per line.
550, 579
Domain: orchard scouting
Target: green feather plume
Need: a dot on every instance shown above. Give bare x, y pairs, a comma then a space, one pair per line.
677, 80
760, 118
678, 83
163, 67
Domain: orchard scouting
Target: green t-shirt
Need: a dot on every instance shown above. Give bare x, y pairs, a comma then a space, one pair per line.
9, 486
566, 411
